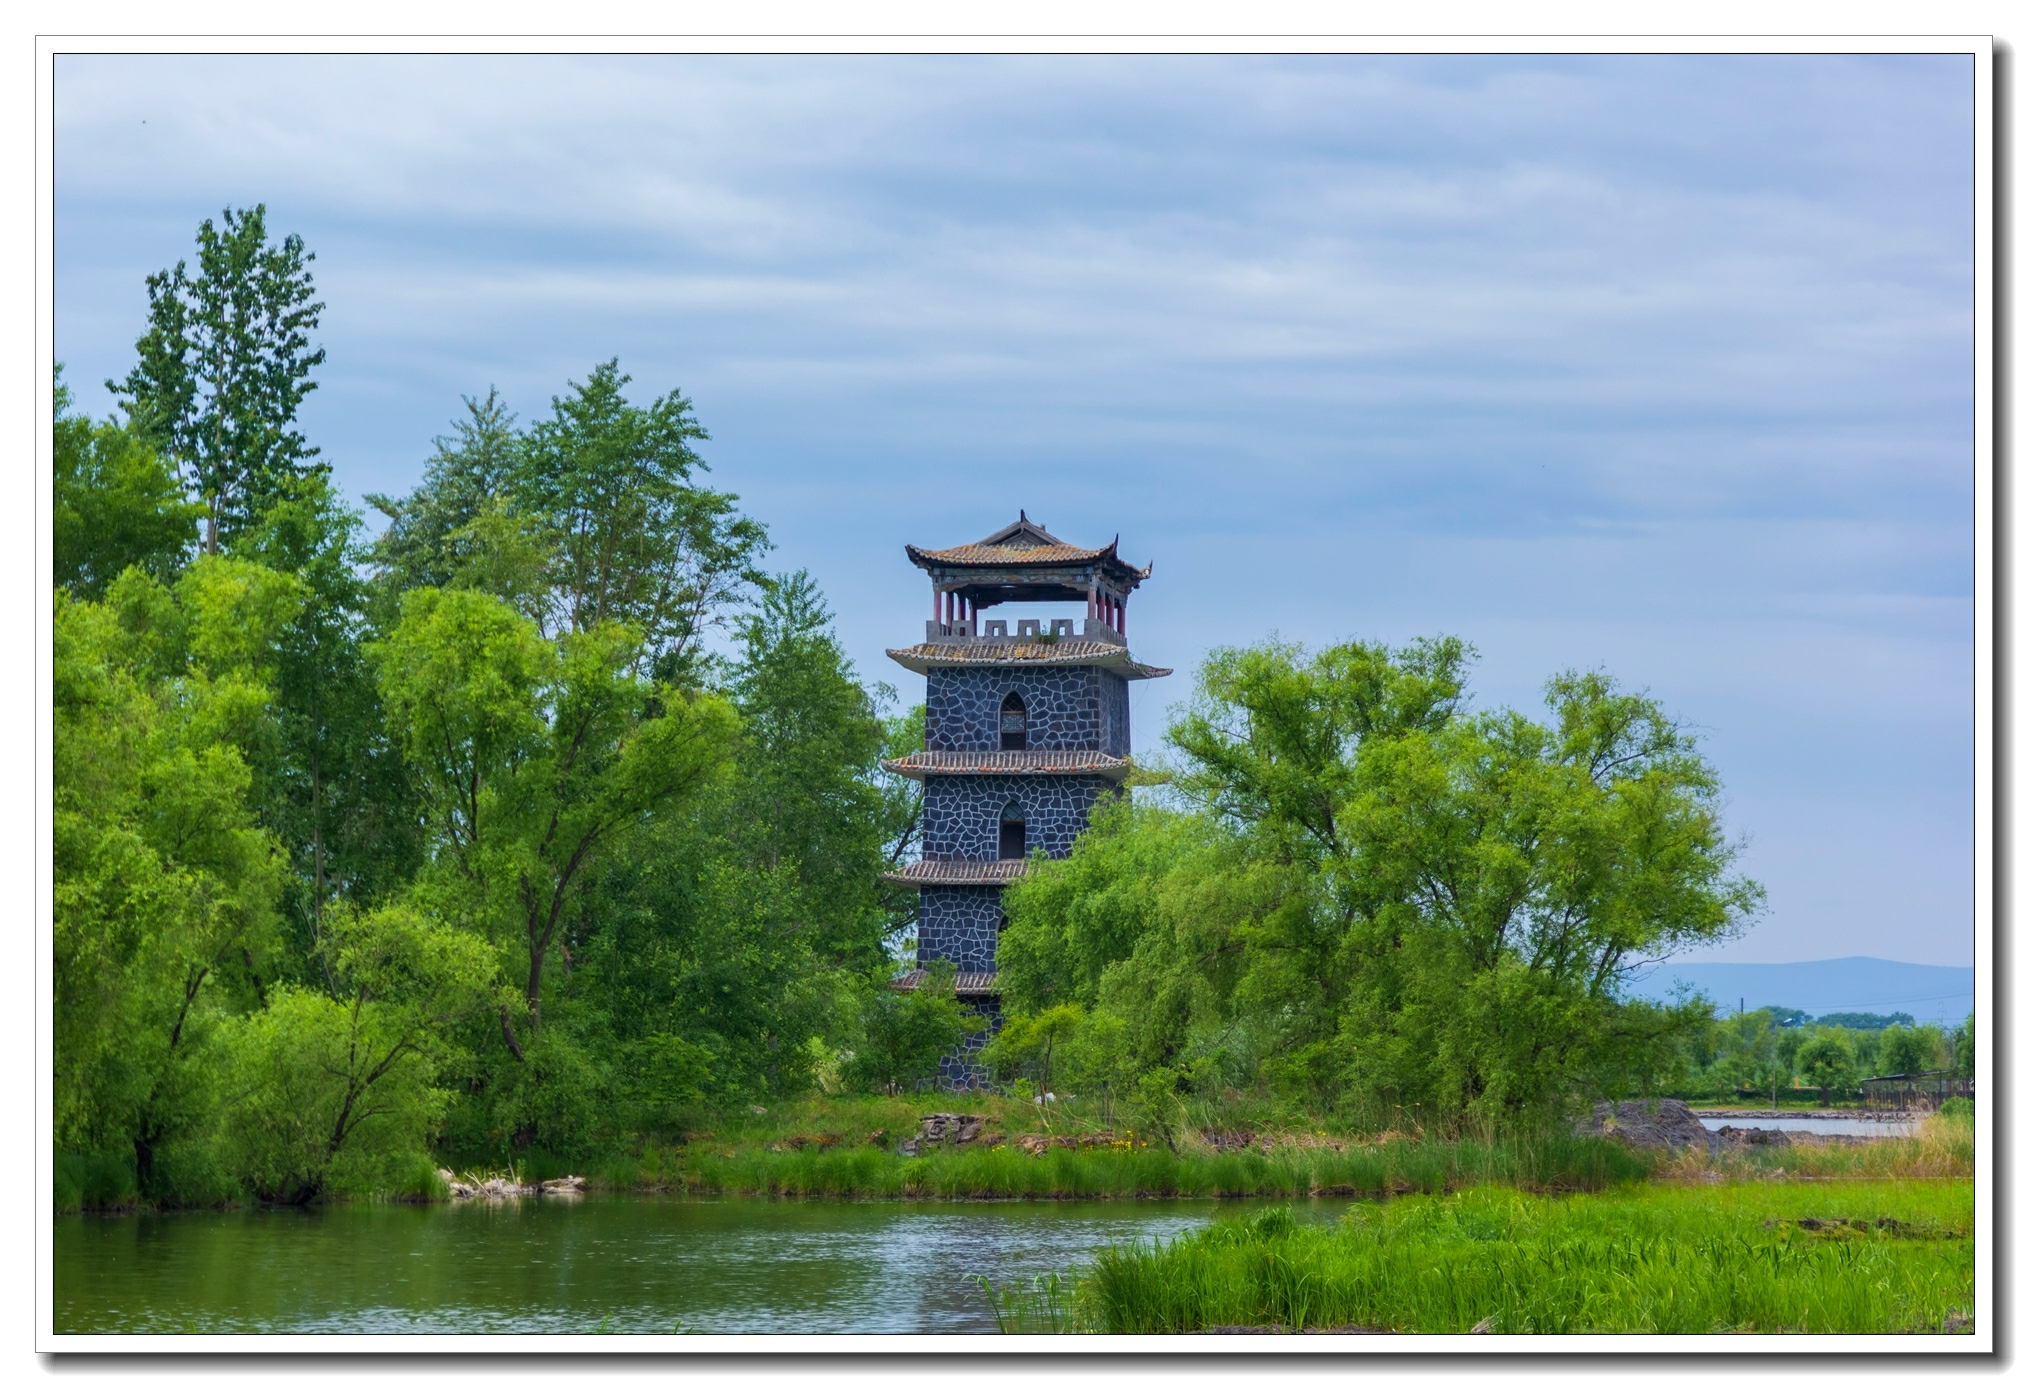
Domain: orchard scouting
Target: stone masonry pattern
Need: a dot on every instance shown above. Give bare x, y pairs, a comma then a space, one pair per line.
1070, 708
961, 924
961, 1069
961, 814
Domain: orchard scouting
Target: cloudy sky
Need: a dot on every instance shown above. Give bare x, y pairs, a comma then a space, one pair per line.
1661, 365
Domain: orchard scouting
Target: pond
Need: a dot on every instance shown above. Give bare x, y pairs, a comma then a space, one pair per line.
630, 1263
1842, 1126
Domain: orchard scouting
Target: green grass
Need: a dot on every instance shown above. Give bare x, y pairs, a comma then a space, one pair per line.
1942, 1147
1652, 1259
89, 1181
1395, 1167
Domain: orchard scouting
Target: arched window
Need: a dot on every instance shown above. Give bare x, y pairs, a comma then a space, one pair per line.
1013, 831
1013, 724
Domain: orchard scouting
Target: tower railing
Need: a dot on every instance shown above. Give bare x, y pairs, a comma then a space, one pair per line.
1024, 629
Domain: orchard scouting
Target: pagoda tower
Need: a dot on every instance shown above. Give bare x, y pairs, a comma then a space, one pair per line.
1026, 729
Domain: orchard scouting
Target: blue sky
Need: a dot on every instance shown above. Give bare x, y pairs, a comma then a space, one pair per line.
1658, 364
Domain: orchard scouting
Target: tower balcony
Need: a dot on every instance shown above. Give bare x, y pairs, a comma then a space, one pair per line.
1024, 629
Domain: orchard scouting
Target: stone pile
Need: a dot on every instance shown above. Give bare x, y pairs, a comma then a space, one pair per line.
1660, 1124
1035, 1144
945, 1130
1753, 1137
501, 1188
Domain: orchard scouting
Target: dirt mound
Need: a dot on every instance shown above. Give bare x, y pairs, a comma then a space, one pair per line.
1658, 1124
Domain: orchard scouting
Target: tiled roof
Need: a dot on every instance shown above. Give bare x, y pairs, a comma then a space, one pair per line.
975, 985
926, 873
920, 764
1006, 556
1024, 544
1071, 651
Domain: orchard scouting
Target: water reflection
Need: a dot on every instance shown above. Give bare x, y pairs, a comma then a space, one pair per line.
636, 1264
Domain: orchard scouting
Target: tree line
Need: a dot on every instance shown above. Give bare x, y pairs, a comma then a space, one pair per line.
549, 819
1774, 1050
1358, 894
533, 822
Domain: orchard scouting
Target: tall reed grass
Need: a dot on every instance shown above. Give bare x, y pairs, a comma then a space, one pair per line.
1941, 1147
1655, 1259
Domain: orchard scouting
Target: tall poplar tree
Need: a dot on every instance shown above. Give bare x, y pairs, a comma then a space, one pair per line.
225, 363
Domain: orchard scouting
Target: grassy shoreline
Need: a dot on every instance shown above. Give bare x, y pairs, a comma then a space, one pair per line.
1867, 1257
828, 1149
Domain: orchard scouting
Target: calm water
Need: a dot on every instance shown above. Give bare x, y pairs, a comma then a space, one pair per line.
1843, 1127
552, 1266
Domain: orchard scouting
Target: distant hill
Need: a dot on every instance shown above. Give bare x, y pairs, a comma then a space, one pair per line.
1857, 984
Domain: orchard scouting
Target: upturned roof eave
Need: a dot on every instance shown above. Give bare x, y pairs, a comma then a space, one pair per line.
921, 659
1098, 764
1015, 557
995, 872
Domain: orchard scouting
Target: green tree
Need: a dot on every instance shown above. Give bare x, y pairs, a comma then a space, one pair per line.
339, 1088
224, 365
1826, 1062
332, 786
1382, 901
631, 538
1910, 1050
115, 505
1033, 1042
738, 926
534, 759
806, 792
1963, 1049
1098, 1059
901, 807
429, 541
165, 883
905, 1033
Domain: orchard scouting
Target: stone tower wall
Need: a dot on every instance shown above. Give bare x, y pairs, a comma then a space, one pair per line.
1070, 709
961, 814
961, 924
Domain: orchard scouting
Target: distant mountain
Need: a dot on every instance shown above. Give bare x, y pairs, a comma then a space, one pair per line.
1857, 984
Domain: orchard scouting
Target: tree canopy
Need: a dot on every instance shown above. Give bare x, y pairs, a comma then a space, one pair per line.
1370, 895
224, 364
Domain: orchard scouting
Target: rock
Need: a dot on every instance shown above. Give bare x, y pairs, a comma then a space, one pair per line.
1753, 1137
1484, 1327
951, 1129
500, 1188
1035, 1144
1228, 1142
1656, 1124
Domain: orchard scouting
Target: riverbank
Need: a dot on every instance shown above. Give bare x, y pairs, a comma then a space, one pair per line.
906, 1149
1861, 1258
1140, 1171
983, 1159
